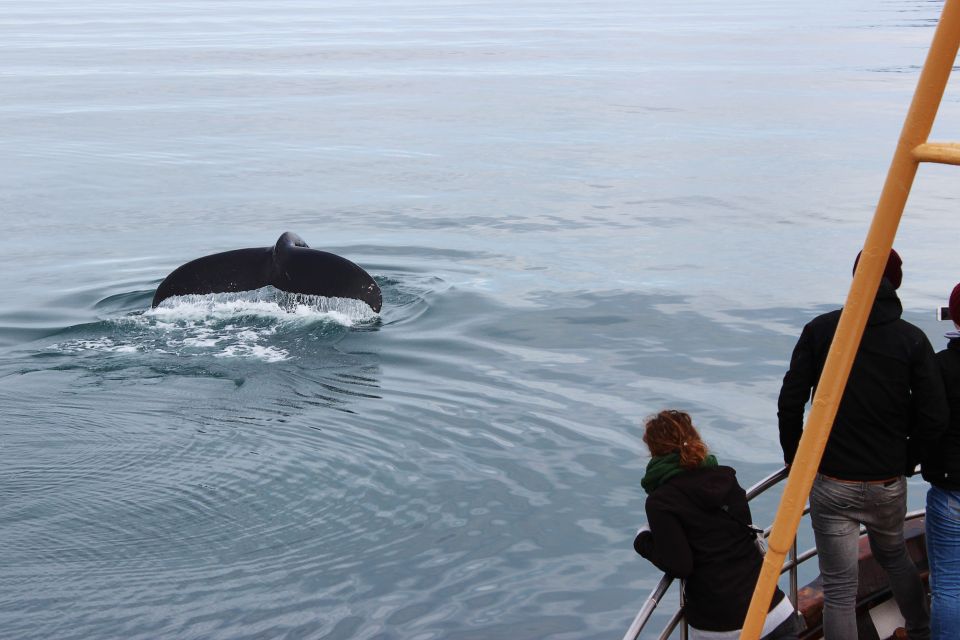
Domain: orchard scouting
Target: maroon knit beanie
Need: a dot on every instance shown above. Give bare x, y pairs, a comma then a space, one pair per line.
955, 305
892, 271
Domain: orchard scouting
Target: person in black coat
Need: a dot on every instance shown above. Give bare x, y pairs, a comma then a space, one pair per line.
893, 409
700, 531
941, 468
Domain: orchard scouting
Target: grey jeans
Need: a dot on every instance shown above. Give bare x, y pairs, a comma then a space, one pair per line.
836, 510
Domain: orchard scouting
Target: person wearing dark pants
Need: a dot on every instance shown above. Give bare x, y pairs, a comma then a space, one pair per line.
893, 410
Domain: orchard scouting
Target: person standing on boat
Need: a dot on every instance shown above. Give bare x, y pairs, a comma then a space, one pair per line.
699, 531
941, 468
893, 408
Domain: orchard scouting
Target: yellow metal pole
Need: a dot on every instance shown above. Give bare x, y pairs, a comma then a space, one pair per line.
833, 380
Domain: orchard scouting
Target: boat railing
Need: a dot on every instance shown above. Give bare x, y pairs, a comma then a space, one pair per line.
677, 620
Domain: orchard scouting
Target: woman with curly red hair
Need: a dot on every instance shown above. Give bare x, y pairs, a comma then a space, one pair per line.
700, 531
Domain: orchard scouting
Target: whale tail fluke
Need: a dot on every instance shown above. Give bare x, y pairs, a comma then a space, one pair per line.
289, 265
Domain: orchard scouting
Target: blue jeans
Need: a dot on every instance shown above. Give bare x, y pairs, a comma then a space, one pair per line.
943, 551
837, 509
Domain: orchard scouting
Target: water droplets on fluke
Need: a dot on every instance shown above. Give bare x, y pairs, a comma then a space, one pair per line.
266, 324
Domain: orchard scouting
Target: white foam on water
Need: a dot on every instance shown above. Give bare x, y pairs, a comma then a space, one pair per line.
268, 303
225, 325
256, 351
107, 345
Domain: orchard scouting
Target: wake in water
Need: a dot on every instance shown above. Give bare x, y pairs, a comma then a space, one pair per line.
266, 324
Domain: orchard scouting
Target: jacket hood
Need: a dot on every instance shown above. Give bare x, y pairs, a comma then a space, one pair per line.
707, 488
886, 306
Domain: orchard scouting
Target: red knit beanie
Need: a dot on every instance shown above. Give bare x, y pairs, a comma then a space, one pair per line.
955, 305
893, 271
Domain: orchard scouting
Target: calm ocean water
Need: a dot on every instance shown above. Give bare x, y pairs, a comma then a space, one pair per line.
579, 213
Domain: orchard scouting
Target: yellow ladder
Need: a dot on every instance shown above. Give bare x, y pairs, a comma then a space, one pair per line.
912, 149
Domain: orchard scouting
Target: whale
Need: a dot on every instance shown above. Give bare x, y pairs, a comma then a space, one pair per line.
289, 265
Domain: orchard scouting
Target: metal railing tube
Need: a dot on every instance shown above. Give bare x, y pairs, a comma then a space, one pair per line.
647, 609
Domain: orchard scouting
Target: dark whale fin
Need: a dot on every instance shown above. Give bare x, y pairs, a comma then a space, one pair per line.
289, 265
239, 270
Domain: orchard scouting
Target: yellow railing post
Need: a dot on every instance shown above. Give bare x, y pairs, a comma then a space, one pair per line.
903, 169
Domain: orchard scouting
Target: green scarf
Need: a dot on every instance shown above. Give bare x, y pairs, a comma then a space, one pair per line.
662, 468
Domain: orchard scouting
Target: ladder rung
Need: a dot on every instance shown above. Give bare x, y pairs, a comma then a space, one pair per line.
941, 152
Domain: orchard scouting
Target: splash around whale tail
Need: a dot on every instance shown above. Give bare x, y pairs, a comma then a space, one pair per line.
289, 265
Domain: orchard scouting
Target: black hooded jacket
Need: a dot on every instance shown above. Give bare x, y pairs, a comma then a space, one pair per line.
894, 407
692, 537
941, 466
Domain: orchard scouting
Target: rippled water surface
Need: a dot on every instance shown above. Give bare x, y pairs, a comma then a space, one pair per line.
579, 213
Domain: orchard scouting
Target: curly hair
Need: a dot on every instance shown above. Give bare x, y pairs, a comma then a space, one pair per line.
672, 431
